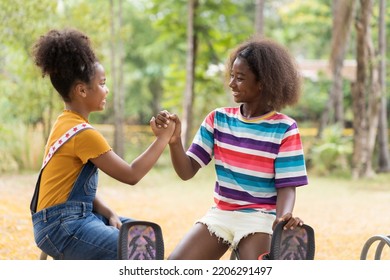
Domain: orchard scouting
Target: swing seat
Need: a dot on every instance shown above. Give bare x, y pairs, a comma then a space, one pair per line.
295, 244
138, 240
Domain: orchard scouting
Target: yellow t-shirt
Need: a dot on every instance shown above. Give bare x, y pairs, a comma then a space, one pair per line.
60, 174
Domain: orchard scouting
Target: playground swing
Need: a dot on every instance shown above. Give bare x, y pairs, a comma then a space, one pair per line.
138, 240
295, 244
380, 240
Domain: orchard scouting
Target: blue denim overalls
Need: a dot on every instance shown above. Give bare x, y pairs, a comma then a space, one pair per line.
72, 230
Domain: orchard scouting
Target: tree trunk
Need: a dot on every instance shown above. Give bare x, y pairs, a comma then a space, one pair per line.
119, 129
47, 123
343, 12
156, 88
383, 141
259, 17
365, 95
190, 75
117, 77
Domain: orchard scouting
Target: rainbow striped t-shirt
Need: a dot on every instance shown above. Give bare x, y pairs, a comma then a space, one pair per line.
253, 157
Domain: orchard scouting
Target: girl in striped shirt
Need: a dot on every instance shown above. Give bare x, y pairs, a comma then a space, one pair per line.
257, 153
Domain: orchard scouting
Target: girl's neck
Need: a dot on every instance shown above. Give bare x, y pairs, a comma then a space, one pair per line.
251, 112
77, 111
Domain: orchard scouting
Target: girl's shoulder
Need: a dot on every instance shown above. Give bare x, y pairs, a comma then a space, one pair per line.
229, 111
283, 118
222, 112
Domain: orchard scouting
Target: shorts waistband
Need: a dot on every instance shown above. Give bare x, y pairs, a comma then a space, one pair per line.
70, 207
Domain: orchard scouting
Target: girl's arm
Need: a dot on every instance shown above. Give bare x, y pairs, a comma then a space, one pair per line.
185, 166
100, 207
284, 208
131, 173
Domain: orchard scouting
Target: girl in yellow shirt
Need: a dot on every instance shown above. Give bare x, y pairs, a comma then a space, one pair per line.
69, 220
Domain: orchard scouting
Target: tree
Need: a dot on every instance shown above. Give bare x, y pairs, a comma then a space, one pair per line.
216, 31
20, 79
259, 17
117, 56
383, 142
366, 96
343, 12
190, 70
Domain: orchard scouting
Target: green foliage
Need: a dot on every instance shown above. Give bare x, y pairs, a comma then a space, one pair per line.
219, 28
312, 102
20, 86
331, 154
312, 21
24, 21
145, 63
154, 36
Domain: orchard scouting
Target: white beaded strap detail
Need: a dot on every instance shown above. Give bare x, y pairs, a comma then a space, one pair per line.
69, 134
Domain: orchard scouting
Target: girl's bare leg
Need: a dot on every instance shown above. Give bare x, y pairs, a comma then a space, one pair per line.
199, 244
252, 246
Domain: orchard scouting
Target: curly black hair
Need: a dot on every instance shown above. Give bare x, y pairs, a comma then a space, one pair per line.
273, 67
66, 56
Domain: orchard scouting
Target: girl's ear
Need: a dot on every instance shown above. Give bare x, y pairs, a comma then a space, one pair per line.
80, 90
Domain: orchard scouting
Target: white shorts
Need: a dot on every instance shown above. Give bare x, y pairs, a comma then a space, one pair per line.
232, 226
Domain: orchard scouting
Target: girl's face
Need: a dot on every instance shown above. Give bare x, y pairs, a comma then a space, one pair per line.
245, 88
97, 90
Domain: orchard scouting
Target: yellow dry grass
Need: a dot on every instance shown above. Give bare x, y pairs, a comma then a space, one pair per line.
343, 213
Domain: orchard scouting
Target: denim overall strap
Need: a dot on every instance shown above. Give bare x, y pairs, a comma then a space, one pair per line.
54, 148
84, 189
